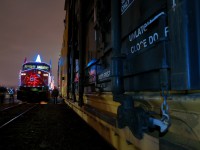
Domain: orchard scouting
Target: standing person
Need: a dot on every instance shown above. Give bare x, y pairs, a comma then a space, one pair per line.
55, 93
11, 93
3, 91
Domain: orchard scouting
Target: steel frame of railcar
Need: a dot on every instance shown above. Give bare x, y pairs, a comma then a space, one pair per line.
137, 95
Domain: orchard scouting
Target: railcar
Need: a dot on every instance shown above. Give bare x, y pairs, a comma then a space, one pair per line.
35, 81
130, 69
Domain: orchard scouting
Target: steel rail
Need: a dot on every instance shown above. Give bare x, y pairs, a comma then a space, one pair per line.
13, 106
17, 117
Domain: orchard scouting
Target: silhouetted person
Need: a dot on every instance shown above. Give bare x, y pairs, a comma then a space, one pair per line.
55, 94
2, 97
3, 91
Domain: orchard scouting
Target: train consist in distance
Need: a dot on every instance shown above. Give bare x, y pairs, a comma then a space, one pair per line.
130, 69
35, 81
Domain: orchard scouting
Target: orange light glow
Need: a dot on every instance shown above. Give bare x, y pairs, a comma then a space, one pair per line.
43, 102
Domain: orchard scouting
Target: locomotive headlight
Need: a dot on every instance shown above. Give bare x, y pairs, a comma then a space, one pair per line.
23, 74
39, 72
45, 75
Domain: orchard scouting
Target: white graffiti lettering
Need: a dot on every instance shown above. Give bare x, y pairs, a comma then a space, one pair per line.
145, 43
137, 32
166, 31
143, 28
104, 75
153, 38
138, 46
125, 4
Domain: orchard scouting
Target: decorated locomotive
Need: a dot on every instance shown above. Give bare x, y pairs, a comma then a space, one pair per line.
35, 81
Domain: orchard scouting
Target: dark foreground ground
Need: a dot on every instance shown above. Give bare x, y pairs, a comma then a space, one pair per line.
51, 127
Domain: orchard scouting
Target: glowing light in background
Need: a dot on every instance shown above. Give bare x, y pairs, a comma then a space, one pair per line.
38, 59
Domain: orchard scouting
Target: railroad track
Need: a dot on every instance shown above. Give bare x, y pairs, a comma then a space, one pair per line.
7, 107
53, 127
10, 114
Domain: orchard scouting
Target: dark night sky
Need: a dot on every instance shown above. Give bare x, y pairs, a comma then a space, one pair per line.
28, 28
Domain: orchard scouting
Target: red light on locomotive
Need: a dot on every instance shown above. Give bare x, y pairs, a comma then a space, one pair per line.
33, 80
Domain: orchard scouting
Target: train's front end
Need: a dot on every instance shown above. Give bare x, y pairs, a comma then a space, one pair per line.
35, 82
